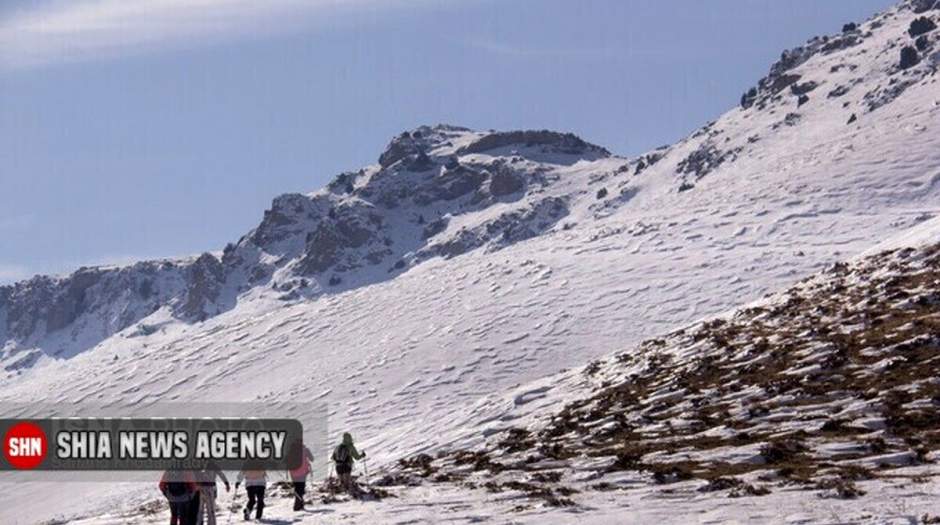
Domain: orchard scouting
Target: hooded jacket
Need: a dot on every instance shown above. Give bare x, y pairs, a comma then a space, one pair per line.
354, 454
300, 472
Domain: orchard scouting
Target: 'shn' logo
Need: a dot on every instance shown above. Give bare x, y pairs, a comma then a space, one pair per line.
24, 445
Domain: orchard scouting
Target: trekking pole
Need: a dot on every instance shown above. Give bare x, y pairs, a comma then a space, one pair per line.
365, 466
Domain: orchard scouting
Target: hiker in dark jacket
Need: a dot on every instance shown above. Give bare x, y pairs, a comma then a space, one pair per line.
182, 493
256, 480
344, 455
300, 456
208, 491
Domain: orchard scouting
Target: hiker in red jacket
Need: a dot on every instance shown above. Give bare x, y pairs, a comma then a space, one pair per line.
301, 456
182, 493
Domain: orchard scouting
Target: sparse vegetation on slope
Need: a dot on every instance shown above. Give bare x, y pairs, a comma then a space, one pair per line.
832, 382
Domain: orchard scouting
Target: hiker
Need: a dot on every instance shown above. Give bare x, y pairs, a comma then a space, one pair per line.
301, 456
344, 455
255, 483
181, 492
208, 491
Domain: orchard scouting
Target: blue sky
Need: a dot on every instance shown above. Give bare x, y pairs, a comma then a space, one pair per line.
141, 128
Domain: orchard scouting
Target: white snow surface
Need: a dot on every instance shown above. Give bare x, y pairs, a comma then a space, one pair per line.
435, 355
897, 503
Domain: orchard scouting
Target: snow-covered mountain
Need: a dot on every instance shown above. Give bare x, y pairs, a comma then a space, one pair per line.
436, 192
817, 404
468, 263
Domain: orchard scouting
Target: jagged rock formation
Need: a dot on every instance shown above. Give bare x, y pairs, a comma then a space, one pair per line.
84, 307
365, 226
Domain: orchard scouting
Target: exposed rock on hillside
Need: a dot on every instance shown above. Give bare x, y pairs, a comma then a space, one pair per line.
833, 381
305, 243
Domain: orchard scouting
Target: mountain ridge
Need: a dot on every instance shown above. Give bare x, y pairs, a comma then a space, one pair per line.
338, 237
302, 236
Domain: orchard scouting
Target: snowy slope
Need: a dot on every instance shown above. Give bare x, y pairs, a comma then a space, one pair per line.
814, 405
830, 383
467, 263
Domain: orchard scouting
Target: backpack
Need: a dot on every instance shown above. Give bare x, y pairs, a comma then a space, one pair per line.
341, 455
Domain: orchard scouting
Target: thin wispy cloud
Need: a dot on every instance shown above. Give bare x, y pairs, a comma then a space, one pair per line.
62, 31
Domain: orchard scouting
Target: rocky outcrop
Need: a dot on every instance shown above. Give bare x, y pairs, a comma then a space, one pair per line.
921, 25
73, 299
781, 76
909, 57
922, 6
205, 278
450, 184
101, 301
566, 143
289, 215
401, 147
325, 235
505, 182
416, 142
334, 238
510, 227
803, 88
704, 160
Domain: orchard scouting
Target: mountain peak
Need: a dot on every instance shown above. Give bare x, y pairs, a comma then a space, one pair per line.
441, 141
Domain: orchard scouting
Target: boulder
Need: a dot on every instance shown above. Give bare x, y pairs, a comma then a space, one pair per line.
778, 84
747, 99
921, 25
909, 57
838, 91
803, 88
